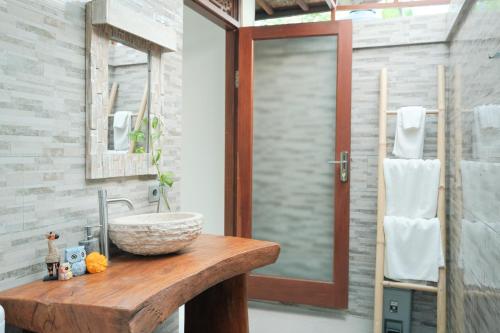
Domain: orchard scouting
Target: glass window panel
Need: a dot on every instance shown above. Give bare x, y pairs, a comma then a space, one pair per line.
294, 138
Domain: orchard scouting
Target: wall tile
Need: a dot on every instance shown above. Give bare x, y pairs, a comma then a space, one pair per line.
42, 130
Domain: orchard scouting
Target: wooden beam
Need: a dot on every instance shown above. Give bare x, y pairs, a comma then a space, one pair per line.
265, 6
332, 4
303, 5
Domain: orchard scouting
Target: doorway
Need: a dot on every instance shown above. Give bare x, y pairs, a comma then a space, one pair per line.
292, 158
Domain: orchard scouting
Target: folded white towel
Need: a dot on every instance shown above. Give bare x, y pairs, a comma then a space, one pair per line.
481, 191
413, 249
411, 187
121, 128
486, 133
412, 116
410, 132
121, 119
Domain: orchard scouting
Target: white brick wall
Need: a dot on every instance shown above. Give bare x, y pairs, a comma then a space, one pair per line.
42, 130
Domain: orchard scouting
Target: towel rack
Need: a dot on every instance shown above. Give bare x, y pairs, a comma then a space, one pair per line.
380, 282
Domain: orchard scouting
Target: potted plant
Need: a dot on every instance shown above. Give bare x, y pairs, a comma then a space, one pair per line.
137, 138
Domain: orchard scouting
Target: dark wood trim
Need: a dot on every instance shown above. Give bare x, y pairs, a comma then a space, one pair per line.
244, 134
287, 290
230, 132
326, 28
214, 14
343, 143
319, 293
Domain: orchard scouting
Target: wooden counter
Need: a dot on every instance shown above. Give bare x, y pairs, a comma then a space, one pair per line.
136, 294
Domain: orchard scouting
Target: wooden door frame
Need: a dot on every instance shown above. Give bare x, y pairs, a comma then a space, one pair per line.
238, 187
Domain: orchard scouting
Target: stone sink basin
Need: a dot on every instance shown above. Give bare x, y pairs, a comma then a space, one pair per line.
157, 233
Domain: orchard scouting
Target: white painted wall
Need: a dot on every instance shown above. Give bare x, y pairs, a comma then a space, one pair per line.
247, 13
202, 153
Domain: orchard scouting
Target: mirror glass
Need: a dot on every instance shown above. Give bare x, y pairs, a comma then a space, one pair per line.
128, 111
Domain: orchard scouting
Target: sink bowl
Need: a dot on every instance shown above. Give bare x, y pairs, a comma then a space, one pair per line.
153, 234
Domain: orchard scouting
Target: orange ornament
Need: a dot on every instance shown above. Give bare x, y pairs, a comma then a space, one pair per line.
96, 262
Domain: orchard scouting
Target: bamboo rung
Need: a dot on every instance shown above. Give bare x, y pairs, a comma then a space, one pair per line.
427, 112
412, 286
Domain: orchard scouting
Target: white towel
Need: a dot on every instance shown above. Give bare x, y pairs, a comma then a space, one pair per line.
411, 187
480, 254
481, 191
412, 117
121, 129
410, 132
486, 133
413, 249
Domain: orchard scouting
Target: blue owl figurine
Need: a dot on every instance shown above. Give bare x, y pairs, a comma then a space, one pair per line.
75, 256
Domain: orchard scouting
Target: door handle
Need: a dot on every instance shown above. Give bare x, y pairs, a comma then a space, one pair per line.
344, 166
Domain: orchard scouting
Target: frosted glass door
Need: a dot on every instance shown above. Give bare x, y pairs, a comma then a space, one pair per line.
294, 112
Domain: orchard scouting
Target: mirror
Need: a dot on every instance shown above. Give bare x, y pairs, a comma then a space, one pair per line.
128, 107
125, 87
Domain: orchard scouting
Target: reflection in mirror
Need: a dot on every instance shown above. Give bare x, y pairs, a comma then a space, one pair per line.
127, 111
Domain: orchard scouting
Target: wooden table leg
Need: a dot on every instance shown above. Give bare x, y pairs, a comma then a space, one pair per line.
221, 309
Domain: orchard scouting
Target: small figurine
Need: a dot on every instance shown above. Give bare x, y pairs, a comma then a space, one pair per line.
75, 256
52, 259
96, 262
65, 271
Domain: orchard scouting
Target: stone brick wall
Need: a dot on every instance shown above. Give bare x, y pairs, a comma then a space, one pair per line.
474, 235
42, 130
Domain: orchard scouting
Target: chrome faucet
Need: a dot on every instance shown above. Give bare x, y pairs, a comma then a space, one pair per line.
103, 218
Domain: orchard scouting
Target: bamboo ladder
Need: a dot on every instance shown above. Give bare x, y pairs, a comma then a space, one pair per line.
380, 283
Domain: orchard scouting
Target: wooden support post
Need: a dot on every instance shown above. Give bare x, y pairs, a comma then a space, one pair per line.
265, 6
140, 116
332, 4
220, 309
303, 5
382, 151
112, 98
441, 153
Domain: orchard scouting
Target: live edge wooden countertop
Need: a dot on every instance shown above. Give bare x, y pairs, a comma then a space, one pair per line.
135, 294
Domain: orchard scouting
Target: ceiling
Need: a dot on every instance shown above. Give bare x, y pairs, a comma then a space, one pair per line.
265, 9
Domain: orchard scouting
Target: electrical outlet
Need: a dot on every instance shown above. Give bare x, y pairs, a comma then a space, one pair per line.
154, 193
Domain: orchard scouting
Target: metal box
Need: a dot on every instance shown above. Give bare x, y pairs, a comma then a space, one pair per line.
397, 310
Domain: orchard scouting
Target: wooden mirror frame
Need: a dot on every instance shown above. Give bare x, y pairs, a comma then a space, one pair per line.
101, 163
